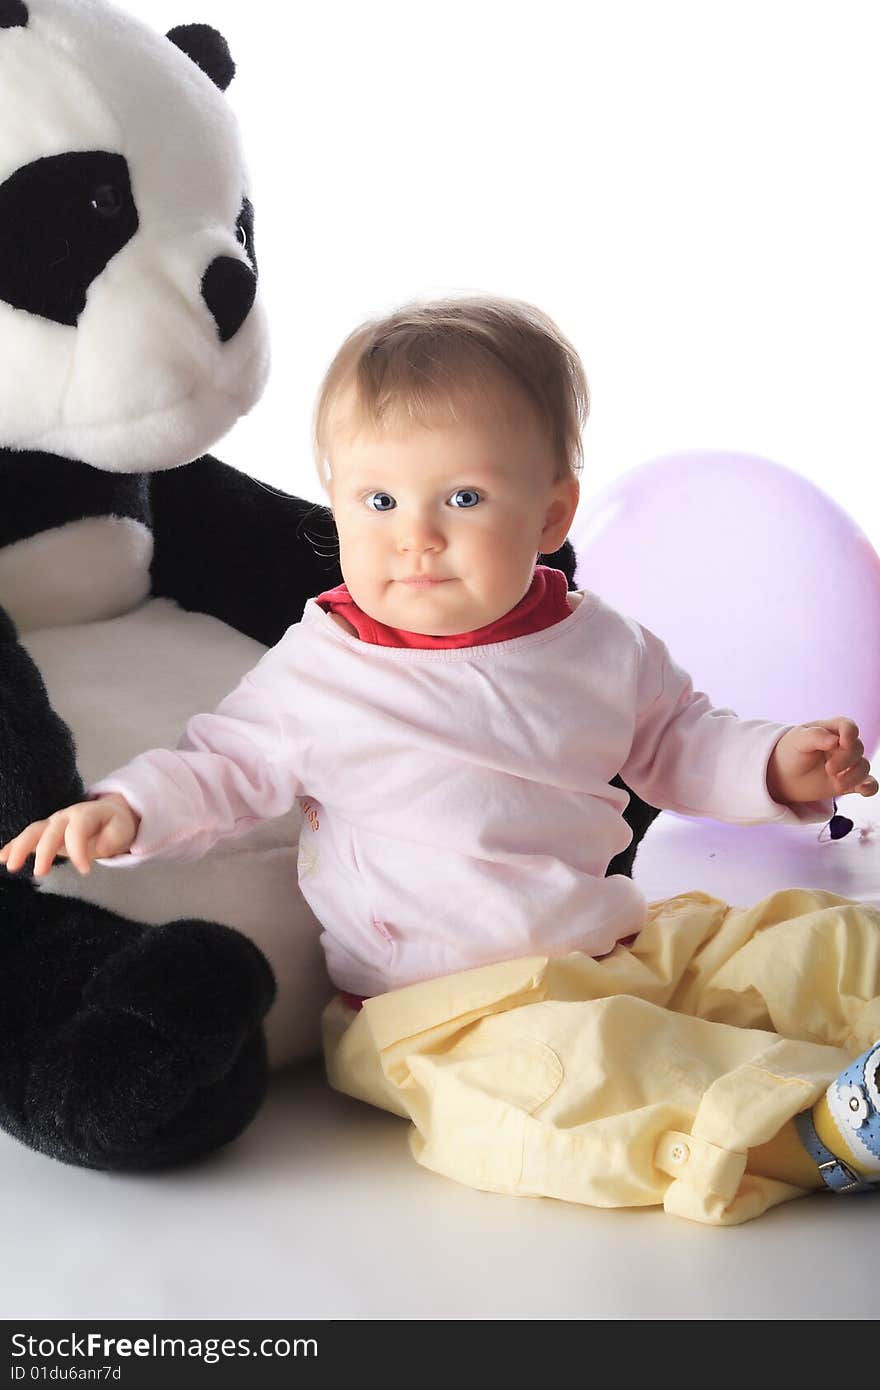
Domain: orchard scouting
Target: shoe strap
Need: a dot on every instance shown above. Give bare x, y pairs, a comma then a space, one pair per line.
835, 1173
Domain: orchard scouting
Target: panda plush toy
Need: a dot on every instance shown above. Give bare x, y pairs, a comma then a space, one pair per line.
139, 579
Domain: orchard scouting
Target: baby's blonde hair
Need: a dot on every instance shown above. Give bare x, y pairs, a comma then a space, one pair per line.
437, 353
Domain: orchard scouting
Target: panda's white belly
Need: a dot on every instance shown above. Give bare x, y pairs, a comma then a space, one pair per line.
131, 683
79, 573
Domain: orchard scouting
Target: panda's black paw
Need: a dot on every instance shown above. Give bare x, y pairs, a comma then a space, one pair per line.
202, 987
163, 1060
108, 1092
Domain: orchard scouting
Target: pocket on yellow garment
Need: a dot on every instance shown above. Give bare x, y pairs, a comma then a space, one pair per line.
492, 1060
470, 1107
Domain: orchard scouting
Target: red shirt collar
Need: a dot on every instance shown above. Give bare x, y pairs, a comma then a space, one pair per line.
544, 604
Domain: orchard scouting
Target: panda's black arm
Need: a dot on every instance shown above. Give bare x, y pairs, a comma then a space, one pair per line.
231, 546
38, 773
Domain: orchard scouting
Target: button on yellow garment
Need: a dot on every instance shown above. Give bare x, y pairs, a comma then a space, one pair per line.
640, 1078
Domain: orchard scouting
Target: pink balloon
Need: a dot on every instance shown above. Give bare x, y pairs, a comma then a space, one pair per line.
762, 587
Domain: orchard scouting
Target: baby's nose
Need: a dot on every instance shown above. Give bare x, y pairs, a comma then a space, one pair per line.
419, 533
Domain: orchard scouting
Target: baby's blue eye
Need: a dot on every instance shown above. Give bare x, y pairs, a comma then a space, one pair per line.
380, 501
466, 497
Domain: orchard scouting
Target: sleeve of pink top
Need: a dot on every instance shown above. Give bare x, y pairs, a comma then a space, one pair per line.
230, 770
688, 757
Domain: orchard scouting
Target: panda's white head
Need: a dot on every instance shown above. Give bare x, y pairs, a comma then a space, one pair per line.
130, 336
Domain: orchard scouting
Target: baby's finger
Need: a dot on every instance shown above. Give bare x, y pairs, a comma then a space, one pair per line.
17, 850
847, 730
842, 759
77, 842
51, 842
851, 777
813, 737
869, 787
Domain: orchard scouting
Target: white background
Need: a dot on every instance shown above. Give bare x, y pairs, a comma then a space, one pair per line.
689, 189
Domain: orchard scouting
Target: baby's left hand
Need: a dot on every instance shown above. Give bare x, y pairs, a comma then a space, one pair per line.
815, 761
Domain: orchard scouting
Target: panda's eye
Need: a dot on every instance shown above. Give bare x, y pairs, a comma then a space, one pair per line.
380, 501
106, 201
465, 497
242, 236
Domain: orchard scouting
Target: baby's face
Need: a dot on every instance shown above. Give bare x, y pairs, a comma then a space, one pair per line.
440, 526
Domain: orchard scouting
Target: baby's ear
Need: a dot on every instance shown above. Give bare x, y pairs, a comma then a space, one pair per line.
560, 512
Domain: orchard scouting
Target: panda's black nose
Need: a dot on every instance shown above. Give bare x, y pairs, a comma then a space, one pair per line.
228, 289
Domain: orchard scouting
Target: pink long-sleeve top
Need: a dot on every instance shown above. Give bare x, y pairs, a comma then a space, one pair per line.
456, 801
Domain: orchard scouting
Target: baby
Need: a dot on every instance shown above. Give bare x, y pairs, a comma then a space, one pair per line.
449, 719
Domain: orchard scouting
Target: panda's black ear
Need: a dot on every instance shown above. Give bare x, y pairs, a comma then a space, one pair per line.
13, 14
207, 48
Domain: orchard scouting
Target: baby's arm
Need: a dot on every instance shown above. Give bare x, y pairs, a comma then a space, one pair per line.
85, 831
690, 757
230, 770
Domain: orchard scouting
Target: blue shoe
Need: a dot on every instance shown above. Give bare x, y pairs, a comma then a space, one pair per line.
854, 1102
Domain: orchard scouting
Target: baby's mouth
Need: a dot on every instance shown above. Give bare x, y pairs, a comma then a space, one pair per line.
419, 581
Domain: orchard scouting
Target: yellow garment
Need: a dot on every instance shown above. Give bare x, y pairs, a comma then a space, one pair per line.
641, 1078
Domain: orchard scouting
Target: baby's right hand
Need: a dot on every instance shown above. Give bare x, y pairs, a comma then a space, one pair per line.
89, 830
